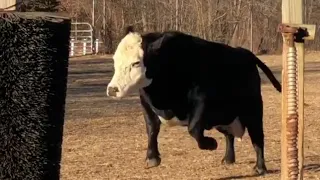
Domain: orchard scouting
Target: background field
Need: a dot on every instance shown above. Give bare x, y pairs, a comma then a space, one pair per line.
106, 139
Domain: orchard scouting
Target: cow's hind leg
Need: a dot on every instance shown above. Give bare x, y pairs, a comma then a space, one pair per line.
196, 127
229, 157
252, 119
204, 142
153, 128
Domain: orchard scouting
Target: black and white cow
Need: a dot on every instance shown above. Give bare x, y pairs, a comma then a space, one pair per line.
185, 80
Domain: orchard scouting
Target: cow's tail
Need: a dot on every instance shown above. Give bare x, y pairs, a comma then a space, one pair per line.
269, 74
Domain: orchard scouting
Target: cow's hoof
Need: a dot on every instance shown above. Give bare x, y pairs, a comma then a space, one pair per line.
208, 143
153, 162
259, 170
228, 160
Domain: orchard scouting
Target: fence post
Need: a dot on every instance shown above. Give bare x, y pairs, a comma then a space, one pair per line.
97, 46
84, 47
294, 34
72, 48
8, 3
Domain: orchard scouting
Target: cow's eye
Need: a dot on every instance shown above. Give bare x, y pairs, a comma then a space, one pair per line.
135, 64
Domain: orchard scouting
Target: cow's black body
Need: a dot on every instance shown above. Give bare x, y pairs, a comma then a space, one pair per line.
207, 83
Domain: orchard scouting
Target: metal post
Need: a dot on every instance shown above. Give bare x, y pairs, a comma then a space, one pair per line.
292, 109
84, 47
72, 48
97, 46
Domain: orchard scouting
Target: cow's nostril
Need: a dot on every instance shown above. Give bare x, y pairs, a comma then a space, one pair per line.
112, 91
116, 89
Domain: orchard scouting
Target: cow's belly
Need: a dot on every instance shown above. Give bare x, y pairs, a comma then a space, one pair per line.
235, 128
173, 121
171, 117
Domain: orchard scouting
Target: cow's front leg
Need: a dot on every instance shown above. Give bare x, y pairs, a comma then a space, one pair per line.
196, 127
153, 127
153, 156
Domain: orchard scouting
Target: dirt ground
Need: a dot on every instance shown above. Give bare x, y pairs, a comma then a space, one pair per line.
106, 139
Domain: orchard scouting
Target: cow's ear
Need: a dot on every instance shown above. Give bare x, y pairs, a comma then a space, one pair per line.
128, 30
156, 45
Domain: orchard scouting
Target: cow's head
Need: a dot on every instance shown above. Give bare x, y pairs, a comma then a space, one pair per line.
130, 71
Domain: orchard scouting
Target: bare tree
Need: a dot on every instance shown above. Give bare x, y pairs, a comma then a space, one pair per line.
226, 21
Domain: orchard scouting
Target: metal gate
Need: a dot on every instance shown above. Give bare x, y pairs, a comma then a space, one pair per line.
82, 42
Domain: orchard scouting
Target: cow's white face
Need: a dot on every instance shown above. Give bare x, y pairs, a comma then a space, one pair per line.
129, 75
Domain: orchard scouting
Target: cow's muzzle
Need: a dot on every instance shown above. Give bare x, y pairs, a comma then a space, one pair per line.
112, 91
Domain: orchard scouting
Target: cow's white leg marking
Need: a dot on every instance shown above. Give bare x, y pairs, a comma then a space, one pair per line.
173, 122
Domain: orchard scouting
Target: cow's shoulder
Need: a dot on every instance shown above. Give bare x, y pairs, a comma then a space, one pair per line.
165, 100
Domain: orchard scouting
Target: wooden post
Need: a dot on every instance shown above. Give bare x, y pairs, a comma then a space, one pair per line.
300, 53
293, 38
7, 3
292, 12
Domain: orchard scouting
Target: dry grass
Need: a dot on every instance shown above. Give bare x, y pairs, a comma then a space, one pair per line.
106, 139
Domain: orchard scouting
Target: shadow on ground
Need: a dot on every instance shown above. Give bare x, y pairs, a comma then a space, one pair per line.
312, 167
248, 176
309, 167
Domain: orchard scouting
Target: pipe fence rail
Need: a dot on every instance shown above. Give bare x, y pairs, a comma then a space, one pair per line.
81, 41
